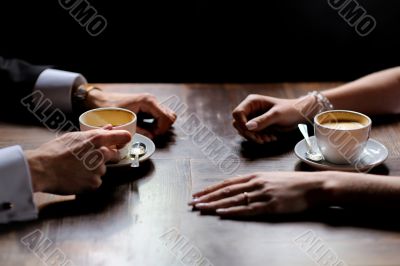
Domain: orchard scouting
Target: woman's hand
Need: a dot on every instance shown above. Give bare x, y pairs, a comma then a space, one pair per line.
266, 193
259, 118
137, 103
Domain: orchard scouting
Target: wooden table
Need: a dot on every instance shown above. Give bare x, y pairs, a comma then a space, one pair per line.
140, 217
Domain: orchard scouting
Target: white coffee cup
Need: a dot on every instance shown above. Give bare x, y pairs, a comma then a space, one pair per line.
342, 135
119, 118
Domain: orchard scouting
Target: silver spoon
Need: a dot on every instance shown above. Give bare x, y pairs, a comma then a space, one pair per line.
310, 154
138, 149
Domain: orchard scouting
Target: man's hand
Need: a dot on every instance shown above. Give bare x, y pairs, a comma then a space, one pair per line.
137, 103
74, 162
259, 118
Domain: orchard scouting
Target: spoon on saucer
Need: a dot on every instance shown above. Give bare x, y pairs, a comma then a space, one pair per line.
310, 154
138, 149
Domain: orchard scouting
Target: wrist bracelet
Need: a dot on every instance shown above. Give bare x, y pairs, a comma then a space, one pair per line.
323, 103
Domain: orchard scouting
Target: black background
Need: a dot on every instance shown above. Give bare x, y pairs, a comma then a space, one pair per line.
203, 41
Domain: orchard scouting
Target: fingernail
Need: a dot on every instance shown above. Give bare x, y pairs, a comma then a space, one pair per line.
194, 201
221, 211
251, 125
201, 205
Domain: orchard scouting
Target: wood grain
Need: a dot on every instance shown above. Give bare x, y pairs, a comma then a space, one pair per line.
140, 217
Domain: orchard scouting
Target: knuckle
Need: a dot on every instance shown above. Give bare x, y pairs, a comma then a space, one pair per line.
252, 208
149, 98
266, 190
253, 96
65, 136
70, 137
237, 111
205, 191
275, 112
104, 154
95, 182
237, 200
103, 150
226, 181
94, 138
102, 169
226, 191
258, 182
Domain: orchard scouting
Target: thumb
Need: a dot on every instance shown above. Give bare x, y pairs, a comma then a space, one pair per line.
261, 122
110, 155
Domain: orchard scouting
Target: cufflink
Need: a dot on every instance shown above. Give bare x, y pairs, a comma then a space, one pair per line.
4, 206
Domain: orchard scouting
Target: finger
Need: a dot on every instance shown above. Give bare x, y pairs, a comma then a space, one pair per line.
172, 115
239, 114
225, 183
225, 192
95, 181
237, 126
262, 122
252, 136
244, 197
266, 138
108, 127
236, 200
101, 170
273, 137
145, 132
108, 138
240, 129
251, 105
110, 155
163, 121
259, 139
245, 108
256, 208
242, 111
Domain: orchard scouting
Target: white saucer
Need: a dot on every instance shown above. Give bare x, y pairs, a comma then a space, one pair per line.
150, 149
374, 154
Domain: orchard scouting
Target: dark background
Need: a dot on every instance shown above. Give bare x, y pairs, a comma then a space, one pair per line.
203, 40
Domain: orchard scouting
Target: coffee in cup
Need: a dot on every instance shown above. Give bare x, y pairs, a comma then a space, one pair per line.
342, 135
119, 118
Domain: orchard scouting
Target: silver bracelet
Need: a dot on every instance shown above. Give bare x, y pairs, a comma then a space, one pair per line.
323, 103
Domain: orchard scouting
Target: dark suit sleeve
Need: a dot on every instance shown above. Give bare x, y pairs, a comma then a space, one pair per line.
17, 79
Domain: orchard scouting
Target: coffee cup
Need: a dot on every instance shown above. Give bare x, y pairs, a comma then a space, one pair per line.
119, 118
342, 135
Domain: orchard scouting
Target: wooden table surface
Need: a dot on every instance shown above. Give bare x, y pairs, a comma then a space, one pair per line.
140, 217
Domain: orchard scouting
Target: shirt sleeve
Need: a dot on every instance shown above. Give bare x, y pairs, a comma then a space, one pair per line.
56, 85
16, 195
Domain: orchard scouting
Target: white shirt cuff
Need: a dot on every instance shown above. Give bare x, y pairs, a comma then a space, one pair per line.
16, 195
56, 85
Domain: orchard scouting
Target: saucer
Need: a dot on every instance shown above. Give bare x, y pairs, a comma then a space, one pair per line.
150, 149
374, 154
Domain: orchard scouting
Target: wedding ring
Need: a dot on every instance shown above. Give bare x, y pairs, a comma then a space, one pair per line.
246, 198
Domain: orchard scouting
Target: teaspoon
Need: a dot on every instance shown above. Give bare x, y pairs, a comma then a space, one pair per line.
138, 149
310, 154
